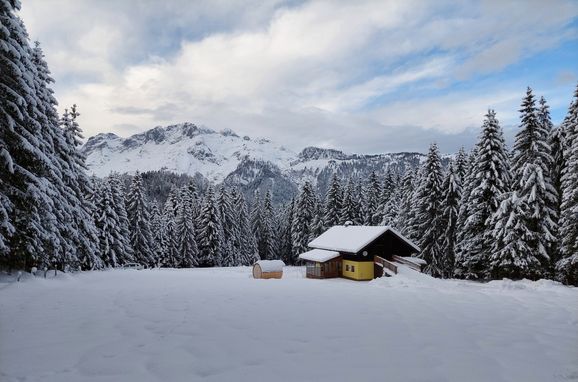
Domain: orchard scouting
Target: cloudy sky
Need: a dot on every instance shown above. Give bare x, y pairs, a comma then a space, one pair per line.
362, 76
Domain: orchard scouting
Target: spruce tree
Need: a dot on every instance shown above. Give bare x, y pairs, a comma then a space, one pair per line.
187, 252
333, 203
158, 230
401, 221
248, 253
490, 179
412, 229
449, 216
141, 237
350, 207
107, 222
431, 229
124, 249
210, 232
81, 186
531, 166
285, 234
384, 202
32, 226
461, 164
511, 255
557, 141
302, 219
256, 219
170, 233
567, 266
317, 224
371, 200
228, 223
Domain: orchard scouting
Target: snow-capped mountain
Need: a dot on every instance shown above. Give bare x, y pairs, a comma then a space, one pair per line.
227, 157
183, 148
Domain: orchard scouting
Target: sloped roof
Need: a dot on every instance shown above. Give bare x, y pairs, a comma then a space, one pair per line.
319, 255
352, 239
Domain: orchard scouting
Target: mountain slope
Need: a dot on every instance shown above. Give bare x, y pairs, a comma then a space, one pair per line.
183, 148
250, 164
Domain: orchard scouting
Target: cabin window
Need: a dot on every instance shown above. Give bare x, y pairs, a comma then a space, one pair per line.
347, 267
353, 268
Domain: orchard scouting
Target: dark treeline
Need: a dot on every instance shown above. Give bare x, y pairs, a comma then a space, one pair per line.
489, 213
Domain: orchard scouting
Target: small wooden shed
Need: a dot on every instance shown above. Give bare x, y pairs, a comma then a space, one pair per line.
268, 269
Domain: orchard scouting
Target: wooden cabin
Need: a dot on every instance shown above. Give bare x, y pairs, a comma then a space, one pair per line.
322, 264
268, 269
360, 253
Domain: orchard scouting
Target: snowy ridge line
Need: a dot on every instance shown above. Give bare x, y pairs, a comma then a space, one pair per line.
189, 149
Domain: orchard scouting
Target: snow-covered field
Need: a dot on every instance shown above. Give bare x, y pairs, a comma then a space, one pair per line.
221, 325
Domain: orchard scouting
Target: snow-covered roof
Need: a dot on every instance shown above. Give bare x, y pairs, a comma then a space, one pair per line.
319, 255
352, 239
271, 265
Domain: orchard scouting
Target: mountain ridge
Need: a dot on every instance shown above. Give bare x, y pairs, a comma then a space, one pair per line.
226, 157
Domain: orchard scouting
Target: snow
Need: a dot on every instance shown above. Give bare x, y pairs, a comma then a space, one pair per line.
415, 260
186, 148
214, 155
271, 265
319, 255
353, 239
221, 325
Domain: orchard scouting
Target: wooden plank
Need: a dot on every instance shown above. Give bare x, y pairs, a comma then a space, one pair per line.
407, 263
386, 264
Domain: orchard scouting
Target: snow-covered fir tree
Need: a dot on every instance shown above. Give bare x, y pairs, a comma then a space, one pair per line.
126, 253
461, 164
557, 142
431, 228
531, 166
141, 237
255, 218
285, 233
302, 219
511, 255
110, 237
81, 185
490, 179
371, 200
452, 190
158, 230
392, 207
333, 203
384, 202
412, 226
350, 205
228, 223
169, 224
210, 232
247, 246
317, 224
38, 206
401, 221
265, 233
187, 254
567, 266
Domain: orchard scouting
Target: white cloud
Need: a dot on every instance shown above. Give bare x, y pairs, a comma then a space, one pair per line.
297, 73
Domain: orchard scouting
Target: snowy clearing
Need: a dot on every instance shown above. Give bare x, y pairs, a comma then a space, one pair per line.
222, 325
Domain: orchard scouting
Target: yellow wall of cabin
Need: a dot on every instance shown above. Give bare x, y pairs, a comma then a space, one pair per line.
363, 270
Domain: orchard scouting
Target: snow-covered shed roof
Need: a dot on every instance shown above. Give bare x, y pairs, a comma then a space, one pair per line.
271, 265
352, 239
319, 255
